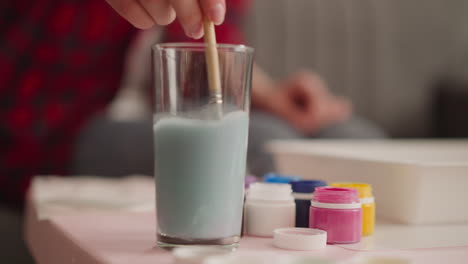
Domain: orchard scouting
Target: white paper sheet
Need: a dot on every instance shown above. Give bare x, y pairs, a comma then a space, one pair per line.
67, 195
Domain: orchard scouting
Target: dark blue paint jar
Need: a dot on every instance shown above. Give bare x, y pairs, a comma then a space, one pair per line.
303, 192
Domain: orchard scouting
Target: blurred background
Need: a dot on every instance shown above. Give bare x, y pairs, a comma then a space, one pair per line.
404, 64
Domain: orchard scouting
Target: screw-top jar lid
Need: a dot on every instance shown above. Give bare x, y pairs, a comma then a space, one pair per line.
196, 254
299, 238
279, 178
364, 189
336, 195
306, 186
270, 191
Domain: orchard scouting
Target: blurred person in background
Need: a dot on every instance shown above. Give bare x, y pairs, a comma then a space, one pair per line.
61, 66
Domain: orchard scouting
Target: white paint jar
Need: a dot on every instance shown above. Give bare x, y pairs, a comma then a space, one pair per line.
268, 206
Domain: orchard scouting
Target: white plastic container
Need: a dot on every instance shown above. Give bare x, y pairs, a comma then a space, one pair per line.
414, 181
268, 207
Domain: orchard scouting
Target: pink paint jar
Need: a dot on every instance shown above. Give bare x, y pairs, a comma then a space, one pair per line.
337, 211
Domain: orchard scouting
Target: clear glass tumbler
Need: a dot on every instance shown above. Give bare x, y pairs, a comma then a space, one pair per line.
200, 145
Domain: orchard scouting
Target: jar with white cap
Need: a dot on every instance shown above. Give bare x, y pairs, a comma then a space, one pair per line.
268, 207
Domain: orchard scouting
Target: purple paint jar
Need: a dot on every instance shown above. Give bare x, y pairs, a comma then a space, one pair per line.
249, 179
337, 211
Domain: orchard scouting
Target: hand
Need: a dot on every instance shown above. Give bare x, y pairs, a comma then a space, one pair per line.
305, 102
146, 13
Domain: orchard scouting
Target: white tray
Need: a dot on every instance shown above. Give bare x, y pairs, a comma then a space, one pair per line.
414, 181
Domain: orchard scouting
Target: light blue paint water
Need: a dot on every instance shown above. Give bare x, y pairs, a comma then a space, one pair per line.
200, 168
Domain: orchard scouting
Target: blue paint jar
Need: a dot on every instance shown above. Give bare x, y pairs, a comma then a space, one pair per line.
279, 178
303, 192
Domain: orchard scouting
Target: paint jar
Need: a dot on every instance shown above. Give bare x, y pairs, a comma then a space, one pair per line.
303, 192
279, 178
367, 203
337, 211
268, 206
249, 179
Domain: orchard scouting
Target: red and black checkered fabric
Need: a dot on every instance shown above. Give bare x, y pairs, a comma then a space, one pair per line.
60, 63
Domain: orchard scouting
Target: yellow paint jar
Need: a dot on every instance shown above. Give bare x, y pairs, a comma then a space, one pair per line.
367, 201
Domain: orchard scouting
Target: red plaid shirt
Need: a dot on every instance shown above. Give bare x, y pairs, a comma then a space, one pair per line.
60, 63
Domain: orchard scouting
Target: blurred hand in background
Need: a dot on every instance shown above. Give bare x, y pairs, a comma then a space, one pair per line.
303, 100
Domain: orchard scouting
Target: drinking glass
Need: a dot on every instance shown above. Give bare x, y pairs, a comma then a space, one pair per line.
200, 144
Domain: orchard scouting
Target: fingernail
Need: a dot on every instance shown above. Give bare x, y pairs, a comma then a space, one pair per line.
217, 14
196, 32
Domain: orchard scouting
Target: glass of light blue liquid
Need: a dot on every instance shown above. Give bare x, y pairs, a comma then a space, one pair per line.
200, 145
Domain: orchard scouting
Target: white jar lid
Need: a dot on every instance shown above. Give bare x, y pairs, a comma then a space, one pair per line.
265, 258
270, 191
299, 238
241, 259
379, 260
196, 254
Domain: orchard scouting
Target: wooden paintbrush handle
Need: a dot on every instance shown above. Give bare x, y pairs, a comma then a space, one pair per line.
212, 60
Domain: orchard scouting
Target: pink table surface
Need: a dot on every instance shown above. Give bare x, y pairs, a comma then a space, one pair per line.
91, 238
